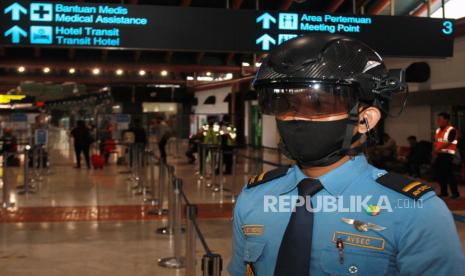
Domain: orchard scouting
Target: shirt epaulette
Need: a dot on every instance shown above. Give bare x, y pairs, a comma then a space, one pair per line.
267, 176
404, 185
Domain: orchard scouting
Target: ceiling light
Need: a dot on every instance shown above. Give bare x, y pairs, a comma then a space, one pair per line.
96, 71
119, 72
72, 70
21, 69
209, 73
190, 78
245, 64
142, 72
164, 73
204, 78
46, 70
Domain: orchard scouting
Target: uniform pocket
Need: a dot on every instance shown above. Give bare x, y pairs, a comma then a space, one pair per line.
253, 250
356, 262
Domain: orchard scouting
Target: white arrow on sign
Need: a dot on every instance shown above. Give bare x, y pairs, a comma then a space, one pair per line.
266, 18
265, 40
16, 10
16, 32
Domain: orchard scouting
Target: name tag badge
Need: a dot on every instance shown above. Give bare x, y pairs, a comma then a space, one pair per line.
253, 229
359, 240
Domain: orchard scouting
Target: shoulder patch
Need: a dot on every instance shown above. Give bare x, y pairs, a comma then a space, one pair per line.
404, 185
267, 176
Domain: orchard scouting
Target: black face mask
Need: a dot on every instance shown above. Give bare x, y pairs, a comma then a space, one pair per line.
313, 144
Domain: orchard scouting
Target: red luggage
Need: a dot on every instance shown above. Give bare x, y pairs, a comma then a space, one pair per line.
97, 161
109, 146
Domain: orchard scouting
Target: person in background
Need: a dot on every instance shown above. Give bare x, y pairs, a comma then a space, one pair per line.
413, 157
445, 147
10, 146
106, 143
9, 141
82, 141
228, 142
140, 137
385, 153
162, 132
194, 141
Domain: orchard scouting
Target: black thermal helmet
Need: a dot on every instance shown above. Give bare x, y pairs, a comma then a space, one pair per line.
322, 74
325, 74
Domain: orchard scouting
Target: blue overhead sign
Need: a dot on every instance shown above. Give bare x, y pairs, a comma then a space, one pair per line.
290, 25
68, 24
90, 25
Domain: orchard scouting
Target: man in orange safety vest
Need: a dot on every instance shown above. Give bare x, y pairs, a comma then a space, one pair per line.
445, 147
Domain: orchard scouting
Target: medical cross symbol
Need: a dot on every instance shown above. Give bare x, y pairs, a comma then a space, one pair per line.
41, 12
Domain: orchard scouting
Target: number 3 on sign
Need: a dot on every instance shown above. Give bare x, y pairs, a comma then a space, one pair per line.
447, 27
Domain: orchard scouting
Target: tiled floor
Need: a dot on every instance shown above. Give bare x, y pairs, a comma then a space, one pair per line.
91, 222
97, 248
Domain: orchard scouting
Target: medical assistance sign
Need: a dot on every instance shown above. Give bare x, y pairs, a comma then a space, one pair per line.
62, 24
89, 25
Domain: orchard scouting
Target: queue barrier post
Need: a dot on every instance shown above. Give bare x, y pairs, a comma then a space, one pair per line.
169, 228
191, 213
26, 188
161, 185
212, 265
177, 261
151, 164
234, 175
6, 202
140, 156
203, 162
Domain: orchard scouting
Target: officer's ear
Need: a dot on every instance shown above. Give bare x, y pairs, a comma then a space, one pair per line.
368, 119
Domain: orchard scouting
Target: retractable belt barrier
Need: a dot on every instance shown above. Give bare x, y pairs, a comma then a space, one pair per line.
35, 163
211, 262
28, 186
6, 201
210, 167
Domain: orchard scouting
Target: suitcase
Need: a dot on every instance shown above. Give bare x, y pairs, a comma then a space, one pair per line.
97, 161
109, 146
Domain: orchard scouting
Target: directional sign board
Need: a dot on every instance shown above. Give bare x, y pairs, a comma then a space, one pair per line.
88, 25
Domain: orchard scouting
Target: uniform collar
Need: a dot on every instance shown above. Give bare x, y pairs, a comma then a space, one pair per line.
335, 181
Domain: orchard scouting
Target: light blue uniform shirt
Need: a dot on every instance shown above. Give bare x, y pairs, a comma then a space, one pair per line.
419, 238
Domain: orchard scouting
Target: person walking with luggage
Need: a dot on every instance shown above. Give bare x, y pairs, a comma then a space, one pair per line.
82, 141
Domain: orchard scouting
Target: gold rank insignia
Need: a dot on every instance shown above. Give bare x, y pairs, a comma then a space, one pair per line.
267, 176
253, 229
404, 185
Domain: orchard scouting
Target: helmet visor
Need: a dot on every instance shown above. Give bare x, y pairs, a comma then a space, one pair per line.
310, 101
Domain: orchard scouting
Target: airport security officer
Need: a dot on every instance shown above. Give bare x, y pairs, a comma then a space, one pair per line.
333, 213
